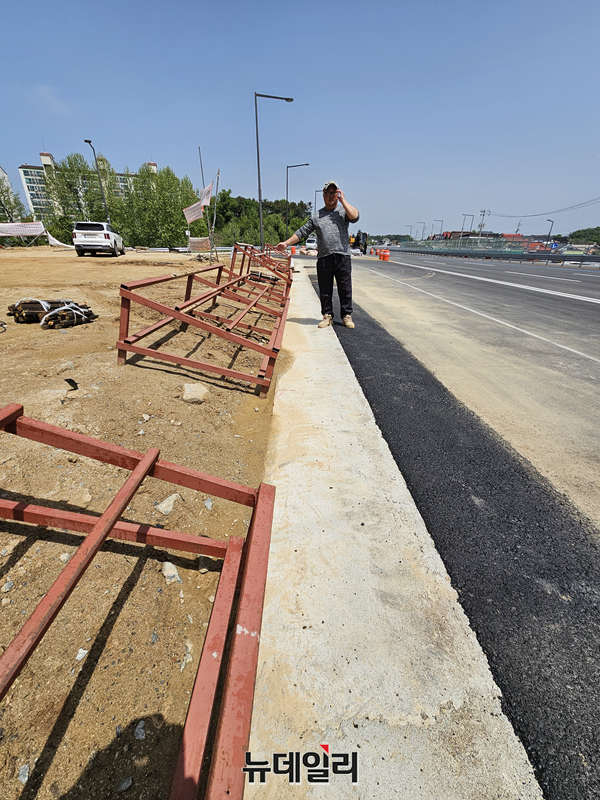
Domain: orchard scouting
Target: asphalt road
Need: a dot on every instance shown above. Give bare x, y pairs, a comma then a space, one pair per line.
520, 346
523, 557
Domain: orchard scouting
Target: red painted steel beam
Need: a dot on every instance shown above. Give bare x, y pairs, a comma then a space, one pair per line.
281, 328
259, 306
270, 264
184, 785
189, 362
203, 298
240, 299
125, 531
218, 318
165, 278
135, 337
164, 309
9, 414
128, 459
150, 281
233, 733
22, 646
244, 311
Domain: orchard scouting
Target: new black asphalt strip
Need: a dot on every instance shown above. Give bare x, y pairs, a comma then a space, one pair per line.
525, 563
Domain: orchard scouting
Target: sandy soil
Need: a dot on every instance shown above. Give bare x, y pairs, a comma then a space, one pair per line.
90, 727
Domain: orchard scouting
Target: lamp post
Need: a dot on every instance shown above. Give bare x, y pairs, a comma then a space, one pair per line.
423, 231
270, 97
463, 224
317, 191
287, 173
549, 233
441, 221
89, 141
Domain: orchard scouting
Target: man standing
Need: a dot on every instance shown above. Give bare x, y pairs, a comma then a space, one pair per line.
330, 225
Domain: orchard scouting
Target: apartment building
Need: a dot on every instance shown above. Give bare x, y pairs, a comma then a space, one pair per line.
33, 179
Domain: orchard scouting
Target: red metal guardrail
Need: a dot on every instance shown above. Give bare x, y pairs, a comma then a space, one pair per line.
244, 572
259, 283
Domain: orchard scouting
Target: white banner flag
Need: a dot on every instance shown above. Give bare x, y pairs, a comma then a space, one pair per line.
195, 211
21, 228
206, 194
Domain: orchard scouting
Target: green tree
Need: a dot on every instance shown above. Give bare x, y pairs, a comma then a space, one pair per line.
11, 207
238, 219
152, 210
74, 189
585, 236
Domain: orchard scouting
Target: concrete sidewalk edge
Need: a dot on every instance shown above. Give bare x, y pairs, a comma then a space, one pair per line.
364, 645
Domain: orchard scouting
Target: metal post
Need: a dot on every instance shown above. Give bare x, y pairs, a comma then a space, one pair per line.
549, 234
316, 193
260, 214
212, 241
423, 231
201, 167
89, 141
287, 172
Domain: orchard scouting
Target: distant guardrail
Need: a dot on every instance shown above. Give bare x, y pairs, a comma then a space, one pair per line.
490, 251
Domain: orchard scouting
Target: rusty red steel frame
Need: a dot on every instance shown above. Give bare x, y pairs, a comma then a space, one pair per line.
258, 282
243, 575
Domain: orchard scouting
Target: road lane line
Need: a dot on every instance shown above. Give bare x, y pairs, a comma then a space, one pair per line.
545, 277
486, 316
502, 283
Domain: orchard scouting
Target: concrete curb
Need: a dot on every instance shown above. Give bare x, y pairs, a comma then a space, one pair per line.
364, 644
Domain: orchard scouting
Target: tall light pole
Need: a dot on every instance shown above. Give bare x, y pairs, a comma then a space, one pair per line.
549, 232
410, 232
423, 231
441, 221
270, 97
89, 141
287, 172
317, 191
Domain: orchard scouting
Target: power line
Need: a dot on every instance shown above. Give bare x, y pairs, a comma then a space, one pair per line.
555, 211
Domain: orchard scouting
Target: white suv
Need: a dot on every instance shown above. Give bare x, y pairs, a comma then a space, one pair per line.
97, 237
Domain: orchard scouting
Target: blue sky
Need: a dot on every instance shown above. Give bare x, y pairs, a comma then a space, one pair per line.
421, 112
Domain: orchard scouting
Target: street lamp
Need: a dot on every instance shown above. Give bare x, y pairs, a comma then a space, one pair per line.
270, 97
89, 141
287, 173
549, 232
317, 191
441, 221
463, 223
410, 232
423, 231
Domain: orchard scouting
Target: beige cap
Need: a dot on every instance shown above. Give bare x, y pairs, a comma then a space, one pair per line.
330, 183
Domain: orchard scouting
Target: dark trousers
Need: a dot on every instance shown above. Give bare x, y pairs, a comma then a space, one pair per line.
336, 266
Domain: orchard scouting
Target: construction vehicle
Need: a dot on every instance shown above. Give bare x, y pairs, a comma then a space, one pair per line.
359, 242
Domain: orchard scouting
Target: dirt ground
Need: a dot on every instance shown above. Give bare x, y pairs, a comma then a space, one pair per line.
99, 709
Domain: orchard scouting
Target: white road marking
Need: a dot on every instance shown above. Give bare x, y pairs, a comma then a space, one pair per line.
486, 316
546, 277
502, 283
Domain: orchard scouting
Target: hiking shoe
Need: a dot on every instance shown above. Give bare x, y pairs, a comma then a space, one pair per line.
326, 321
347, 322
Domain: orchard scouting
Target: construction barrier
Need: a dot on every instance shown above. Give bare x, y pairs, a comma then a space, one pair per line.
257, 282
244, 571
